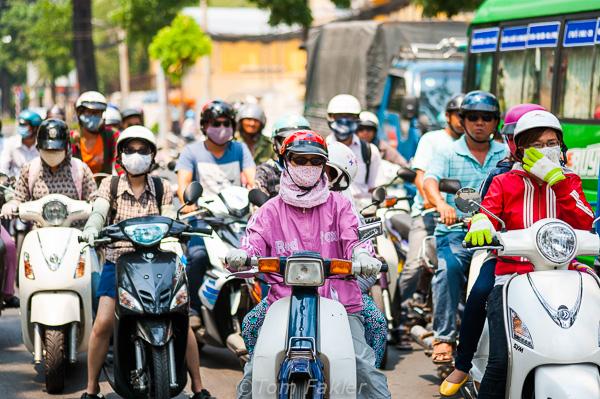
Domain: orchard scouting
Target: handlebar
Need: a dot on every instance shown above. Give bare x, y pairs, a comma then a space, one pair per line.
495, 244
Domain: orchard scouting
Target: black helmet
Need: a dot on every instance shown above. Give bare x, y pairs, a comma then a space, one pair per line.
217, 109
453, 105
480, 101
53, 134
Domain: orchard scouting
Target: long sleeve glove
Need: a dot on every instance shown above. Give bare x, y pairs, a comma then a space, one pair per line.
364, 264
236, 259
541, 167
9, 209
481, 230
89, 235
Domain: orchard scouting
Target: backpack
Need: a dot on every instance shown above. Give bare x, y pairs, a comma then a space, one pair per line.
365, 151
77, 171
114, 185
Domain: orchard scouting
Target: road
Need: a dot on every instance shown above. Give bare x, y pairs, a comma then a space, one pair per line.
412, 375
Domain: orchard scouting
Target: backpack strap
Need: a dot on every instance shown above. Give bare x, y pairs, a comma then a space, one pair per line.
160, 190
35, 168
77, 175
365, 150
114, 185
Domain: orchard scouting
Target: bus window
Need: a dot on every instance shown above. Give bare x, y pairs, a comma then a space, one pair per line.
397, 93
510, 78
537, 84
596, 86
576, 71
481, 75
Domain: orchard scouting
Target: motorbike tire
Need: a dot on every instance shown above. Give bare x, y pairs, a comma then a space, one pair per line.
160, 373
299, 389
54, 362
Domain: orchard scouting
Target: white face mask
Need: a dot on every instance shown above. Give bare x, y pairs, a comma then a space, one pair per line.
552, 153
52, 157
136, 164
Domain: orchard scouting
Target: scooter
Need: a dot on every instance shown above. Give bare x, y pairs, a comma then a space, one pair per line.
55, 285
151, 327
314, 356
552, 334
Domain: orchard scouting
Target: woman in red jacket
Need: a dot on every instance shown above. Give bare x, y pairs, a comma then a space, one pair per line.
537, 187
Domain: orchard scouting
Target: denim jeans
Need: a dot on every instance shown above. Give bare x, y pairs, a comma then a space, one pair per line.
448, 282
197, 264
493, 385
473, 319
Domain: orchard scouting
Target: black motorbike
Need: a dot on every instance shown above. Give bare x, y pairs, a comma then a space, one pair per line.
151, 327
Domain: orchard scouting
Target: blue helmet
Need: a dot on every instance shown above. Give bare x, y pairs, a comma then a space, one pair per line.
480, 101
28, 117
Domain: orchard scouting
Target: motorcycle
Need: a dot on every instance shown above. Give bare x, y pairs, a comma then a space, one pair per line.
552, 334
55, 273
151, 327
6, 184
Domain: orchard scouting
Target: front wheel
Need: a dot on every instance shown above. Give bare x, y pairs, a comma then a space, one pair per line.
299, 389
160, 373
54, 364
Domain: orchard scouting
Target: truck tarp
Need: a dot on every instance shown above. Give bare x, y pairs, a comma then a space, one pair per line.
355, 57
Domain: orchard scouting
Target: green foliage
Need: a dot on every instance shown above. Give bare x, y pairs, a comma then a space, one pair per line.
291, 12
15, 48
432, 8
178, 46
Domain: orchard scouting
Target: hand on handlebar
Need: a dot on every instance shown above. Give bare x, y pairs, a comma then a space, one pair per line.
89, 235
481, 231
236, 259
366, 265
9, 210
447, 213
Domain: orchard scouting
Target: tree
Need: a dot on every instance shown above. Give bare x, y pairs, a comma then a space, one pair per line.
83, 45
291, 12
431, 8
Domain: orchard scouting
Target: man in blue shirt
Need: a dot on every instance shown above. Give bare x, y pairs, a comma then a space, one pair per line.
469, 160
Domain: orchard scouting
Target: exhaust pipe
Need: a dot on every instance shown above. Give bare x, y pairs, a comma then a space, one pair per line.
37, 343
172, 367
73, 343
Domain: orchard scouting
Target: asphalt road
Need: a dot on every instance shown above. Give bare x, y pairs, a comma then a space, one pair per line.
411, 374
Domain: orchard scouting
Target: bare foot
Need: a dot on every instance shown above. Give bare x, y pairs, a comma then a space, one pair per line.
456, 377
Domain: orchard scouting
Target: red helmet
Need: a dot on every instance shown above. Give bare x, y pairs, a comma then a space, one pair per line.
304, 142
510, 122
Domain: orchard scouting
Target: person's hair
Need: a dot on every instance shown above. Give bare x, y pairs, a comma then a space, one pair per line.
530, 136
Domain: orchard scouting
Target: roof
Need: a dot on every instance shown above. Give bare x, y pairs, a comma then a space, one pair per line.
504, 10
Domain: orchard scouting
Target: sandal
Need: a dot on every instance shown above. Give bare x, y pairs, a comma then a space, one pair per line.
442, 357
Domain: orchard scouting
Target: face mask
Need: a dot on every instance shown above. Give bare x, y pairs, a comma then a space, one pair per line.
343, 128
91, 122
24, 131
52, 158
219, 135
136, 164
305, 176
552, 153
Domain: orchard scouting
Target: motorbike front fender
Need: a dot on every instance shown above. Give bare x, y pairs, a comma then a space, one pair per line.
567, 381
154, 332
55, 308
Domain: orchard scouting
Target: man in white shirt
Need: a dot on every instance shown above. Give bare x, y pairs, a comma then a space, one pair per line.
343, 116
20, 148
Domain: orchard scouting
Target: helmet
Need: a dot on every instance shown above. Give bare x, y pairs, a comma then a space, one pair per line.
368, 119
344, 165
28, 117
136, 132
344, 104
112, 116
53, 134
304, 142
453, 105
481, 101
56, 112
534, 119
129, 112
515, 113
91, 100
251, 111
217, 109
288, 123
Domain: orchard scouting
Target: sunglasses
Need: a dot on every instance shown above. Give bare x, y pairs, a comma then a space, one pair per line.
484, 117
145, 150
219, 124
301, 161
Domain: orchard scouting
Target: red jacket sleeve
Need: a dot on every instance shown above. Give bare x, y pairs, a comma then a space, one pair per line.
571, 205
494, 201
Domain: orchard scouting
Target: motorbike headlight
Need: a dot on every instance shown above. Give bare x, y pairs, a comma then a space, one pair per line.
146, 234
304, 272
557, 242
520, 332
128, 301
180, 298
54, 212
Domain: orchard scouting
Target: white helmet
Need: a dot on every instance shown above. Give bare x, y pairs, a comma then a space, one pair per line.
136, 132
537, 118
343, 166
344, 104
91, 100
368, 119
112, 116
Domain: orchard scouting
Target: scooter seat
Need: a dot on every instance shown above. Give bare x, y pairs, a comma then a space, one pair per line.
401, 223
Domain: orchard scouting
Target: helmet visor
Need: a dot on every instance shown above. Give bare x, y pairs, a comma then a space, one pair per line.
94, 105
52, 144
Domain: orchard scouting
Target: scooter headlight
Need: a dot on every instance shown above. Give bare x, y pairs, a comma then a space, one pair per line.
128, 301
557, 242
54, 212
180, 298
304, 272
146, 234
520, 332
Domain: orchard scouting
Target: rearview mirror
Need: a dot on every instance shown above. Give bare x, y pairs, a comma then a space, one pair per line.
369, 231
407, 175
192, 192
468, 200
410, 107
379, 195
449, 186
257, 197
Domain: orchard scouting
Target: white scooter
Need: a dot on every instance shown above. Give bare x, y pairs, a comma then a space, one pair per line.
551, 314
55, 285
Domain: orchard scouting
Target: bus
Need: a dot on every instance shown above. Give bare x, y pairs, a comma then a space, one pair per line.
545, 52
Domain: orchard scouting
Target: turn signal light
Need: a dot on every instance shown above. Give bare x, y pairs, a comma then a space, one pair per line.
80, 269
268, 265
390, 202
27, 267
340, 266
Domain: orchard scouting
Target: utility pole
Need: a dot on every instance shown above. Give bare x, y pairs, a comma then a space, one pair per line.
205, 94
123, 68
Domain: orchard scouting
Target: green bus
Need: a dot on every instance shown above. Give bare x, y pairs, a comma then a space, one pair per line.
545, 52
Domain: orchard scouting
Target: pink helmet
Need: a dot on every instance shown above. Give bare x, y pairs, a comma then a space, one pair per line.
510, 122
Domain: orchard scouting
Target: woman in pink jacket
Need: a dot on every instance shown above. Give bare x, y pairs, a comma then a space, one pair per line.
306, 216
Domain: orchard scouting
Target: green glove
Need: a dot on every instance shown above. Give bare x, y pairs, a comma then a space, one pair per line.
540, 166
481, 230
